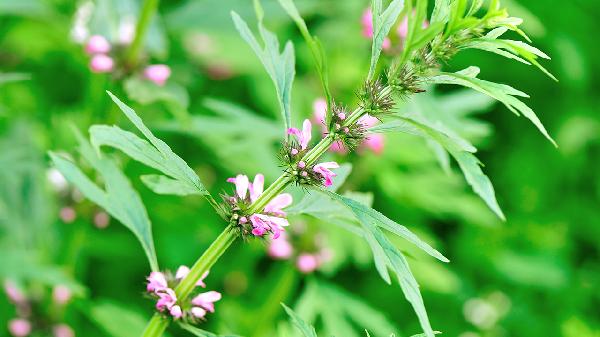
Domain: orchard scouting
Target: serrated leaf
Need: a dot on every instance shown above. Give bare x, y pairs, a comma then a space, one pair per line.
164, 185
501, 92
306, 329
118, 198
382, 23
469, 164
386, 255
279, 66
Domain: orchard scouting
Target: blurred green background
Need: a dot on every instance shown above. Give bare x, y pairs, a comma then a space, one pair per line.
537, 274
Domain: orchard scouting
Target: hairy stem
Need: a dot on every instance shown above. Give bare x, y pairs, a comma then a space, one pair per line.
148, 11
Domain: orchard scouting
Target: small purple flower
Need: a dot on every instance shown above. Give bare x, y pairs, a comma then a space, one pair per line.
176, 311
304, 135
166, 299
307, 263
97, 44
324, 169
61, 294
241, 185
158, 73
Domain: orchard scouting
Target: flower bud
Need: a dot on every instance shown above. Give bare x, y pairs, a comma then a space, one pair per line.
62, 330
97, 44
101, 63
61, 294
307, 263
158, 73
19, 327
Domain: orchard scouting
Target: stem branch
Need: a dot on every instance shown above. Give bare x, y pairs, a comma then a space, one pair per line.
148, 10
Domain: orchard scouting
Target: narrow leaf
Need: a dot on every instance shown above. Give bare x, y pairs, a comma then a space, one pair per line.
164, 185
382, 23
306, 329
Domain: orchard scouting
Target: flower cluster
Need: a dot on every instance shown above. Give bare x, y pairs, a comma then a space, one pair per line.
293, 246
161, 287
373, 142
270, 220
29, 320
293, 153
103, 61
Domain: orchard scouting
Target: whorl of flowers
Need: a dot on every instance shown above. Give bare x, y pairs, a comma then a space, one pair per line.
270, 220
160, 286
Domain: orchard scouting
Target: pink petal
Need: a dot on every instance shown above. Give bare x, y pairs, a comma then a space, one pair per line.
294, 131
306, 133
158, 73
278, 203
200, 282
176, 311
319, 110
257, 187
241, 185
97, 44
307, 263
198, 312
182, 272
280, 248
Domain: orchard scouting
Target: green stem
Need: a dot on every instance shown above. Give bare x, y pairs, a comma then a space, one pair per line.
148, 11
156, 326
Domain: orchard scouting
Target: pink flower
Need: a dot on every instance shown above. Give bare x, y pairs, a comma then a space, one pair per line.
19, 327
256, 187
307, 263
324, 169
241, 185
176, 311
156, 282
183, 271
166, 299
367, 24
67, 214
263, 223
276, 205
97, 44
304, 135
375, 142
206, 300
158, 73
198, 312
62, 330
319, 111
281, 249
61, 294
13, 292
402, 30
101, 63
101, 220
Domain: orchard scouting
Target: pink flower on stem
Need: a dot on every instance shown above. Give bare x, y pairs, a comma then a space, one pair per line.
198, 312
206, 300
276, 205
183, 271
324, 169
97, 44
61, 294
374, 142
256, 187
158, 73
264, 223
13, 292
241, 185
19, 327
101, 63
166, 299
62, 330
176, 311
367, 24
156, 281
307, 263
304, 135
281, 248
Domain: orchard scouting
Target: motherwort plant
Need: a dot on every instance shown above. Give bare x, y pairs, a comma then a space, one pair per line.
252, 211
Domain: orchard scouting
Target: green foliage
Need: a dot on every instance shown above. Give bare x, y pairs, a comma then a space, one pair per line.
201, 333
382, 23
118, 198
501, 92
306, 329
114, 319
279, 66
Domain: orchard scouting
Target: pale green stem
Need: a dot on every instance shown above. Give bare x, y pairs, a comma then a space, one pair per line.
148, 10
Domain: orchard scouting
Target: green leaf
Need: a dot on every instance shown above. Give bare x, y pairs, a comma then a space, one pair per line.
382, 23
315, 46
441, 12
119, 198
386, 255
516, 50
501, 92
306, 329
116, 320
164, 185
201, 333
469, 164
13, 77
279, 66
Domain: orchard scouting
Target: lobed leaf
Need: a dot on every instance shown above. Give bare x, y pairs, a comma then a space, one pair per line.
501, 92
279, 66
118, 198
